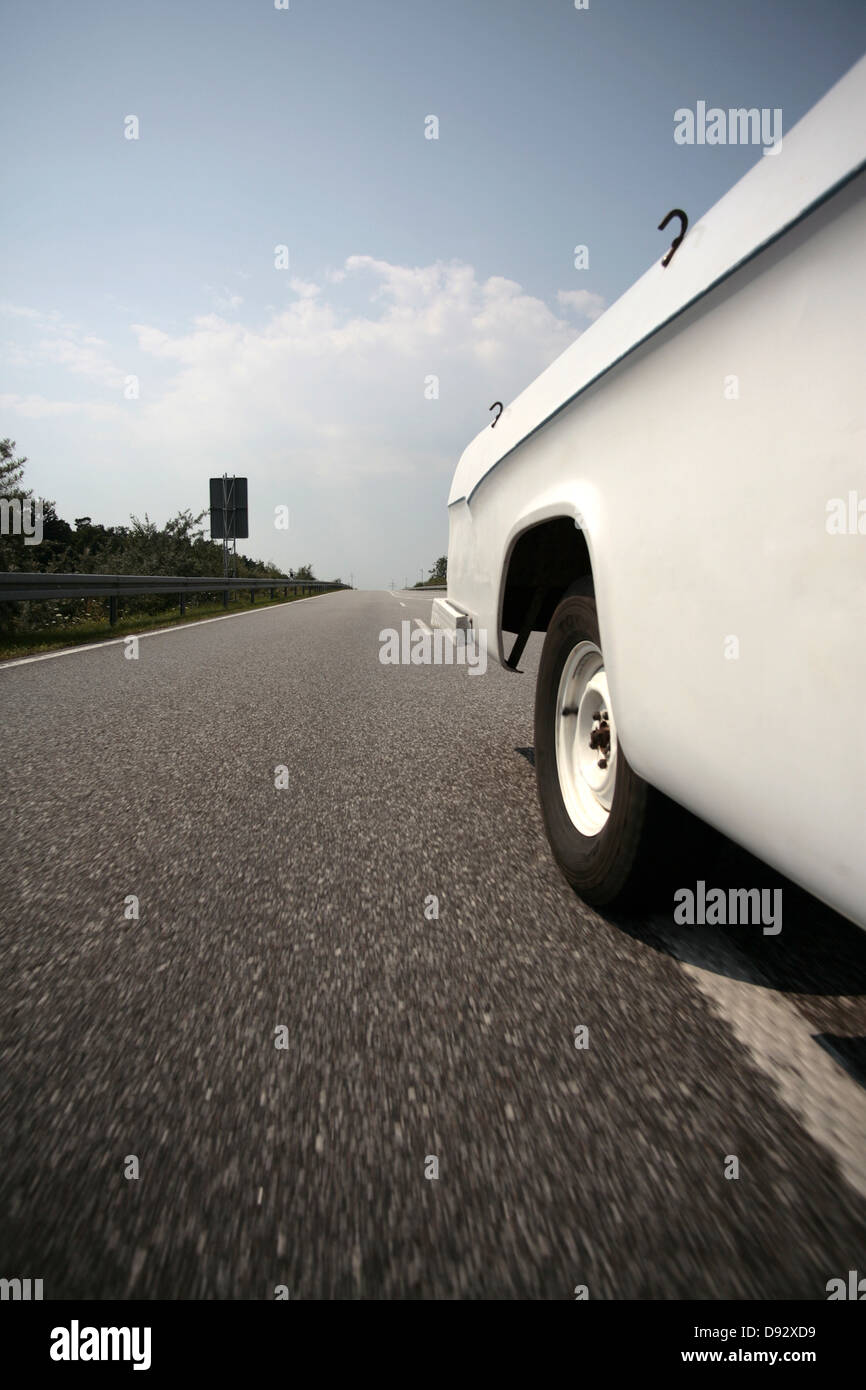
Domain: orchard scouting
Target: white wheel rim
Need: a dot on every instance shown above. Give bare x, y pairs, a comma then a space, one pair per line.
587, 773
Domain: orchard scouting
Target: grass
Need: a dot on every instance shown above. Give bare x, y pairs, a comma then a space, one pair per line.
55, 638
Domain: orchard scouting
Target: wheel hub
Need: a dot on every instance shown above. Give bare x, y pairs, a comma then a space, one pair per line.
586, 744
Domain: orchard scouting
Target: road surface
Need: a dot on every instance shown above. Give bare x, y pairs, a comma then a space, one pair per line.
304, 914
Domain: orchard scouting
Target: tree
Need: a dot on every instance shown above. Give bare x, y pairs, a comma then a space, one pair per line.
15, 554
439, 572
11, 472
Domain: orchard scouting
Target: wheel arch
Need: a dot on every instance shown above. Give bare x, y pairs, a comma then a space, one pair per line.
545, 556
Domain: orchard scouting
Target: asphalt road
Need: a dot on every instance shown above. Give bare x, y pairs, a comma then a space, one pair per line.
408, 1036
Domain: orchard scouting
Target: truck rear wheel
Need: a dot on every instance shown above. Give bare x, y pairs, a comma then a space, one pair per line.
593, 805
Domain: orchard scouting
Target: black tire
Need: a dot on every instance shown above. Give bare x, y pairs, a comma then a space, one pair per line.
603, 868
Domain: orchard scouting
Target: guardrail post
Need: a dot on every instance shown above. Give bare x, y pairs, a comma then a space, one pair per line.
112, 609
272, 594
225, 598
182, 605
252, 595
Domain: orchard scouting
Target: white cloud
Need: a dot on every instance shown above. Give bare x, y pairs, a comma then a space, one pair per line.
304, 289
64, 344
43, 318
313, 398
312, 372
35, 407
584, 302
84, 356
224, 300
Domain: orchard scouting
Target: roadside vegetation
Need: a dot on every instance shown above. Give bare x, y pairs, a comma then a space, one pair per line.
90, 629
87, 547
437, 577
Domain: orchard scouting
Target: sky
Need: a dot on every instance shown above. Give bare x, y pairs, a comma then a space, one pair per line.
152, 336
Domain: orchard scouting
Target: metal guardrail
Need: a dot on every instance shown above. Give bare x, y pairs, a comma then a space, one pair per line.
20, 586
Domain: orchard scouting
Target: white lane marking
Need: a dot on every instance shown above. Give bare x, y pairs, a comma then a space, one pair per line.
829, 1103
159, 632
402, 605
423, 626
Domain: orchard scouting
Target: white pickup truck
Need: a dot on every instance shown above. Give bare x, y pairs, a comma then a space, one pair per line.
679, 503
